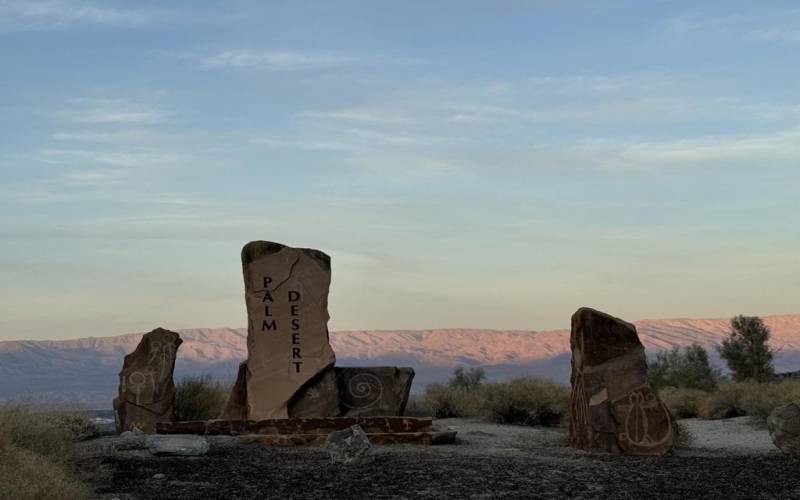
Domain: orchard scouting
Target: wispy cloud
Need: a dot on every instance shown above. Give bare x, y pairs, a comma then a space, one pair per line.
289, 60
110, 111
56, 14
765, 26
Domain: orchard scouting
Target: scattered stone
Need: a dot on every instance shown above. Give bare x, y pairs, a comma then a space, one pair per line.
185, 445
784, 428
350, 446
146, 388
159, 477
613, 409
131, 440
373, 391
288, 347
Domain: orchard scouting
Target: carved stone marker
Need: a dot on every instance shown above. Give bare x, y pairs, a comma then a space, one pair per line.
146, 388
289, 353
373, 391
236, 406
613, 409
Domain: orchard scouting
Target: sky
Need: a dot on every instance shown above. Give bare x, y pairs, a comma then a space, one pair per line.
465, 163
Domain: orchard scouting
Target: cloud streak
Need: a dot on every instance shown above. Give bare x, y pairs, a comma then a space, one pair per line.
57, 14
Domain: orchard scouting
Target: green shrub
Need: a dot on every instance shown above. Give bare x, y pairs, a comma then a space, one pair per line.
526, 401
684, 403
747, 350
418, 406
684, 368
199, 398
467, 378
445, 401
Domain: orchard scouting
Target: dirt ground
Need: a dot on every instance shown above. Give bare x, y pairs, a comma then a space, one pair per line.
728, 459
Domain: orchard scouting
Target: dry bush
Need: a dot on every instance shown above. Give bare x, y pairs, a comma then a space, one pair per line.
35, 452
445, 401
418, 406
684, 403
199, 398
725, 402
758, 400
526, 401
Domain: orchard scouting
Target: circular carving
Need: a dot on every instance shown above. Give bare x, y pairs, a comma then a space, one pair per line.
364, 390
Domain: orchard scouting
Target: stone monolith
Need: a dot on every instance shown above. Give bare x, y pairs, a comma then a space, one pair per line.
146, 388
784, 428
374, 390
613, 409
286, 291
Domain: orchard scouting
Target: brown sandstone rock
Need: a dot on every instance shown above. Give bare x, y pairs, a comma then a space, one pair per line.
372, 391
236, 406
146, 388
613, 409
286, 291
784, 428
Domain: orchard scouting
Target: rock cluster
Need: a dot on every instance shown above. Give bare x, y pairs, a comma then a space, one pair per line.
613, 409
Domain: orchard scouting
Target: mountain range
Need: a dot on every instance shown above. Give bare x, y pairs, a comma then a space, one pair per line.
84, 371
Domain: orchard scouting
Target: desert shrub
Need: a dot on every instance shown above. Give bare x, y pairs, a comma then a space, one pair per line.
758, 400
685, 368
467, 378
724, 402
525, 400
199, 398
445, 401
746, 351
418, 406
35, 452
684, 403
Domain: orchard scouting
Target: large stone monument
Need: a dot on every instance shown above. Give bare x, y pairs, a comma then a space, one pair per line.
146, 388
613, 409
290, 359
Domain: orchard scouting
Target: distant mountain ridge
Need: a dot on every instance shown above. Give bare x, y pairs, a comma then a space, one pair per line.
85, 370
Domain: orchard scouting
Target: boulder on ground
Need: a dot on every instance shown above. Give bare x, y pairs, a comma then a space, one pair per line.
613, 409
183, 445
374, 391
146, 388
784, 428
350, 446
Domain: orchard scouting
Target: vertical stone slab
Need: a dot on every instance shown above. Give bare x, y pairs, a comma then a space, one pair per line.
374, 390
146, 387
236, 406
613, 409
286, 291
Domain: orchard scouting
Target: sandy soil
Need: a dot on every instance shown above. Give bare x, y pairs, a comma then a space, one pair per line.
729, 459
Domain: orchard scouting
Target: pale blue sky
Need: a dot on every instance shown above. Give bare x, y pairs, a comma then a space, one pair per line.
465, 163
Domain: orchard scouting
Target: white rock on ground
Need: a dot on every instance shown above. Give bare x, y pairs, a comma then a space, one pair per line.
177, 445
350, 446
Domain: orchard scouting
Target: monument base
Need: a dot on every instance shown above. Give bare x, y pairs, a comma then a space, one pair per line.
314, 431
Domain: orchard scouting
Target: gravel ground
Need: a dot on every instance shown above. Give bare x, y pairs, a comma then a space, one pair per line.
729, 459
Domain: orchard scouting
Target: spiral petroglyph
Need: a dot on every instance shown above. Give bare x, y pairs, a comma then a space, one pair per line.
364, 390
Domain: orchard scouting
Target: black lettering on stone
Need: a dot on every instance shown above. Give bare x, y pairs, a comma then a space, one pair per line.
266, 312
295, 310
297, 366
296, 353
267, 281
296, 338
267, 297
272, 325
294, 296
295, 324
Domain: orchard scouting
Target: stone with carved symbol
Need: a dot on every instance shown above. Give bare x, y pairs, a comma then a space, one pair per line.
288, 347
613, 409
146, 388
374, 390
